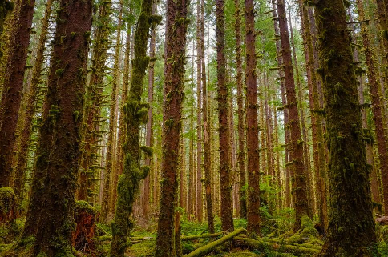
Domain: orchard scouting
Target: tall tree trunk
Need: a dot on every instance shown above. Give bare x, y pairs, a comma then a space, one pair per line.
377, 108
241, 111
136, 114
55, 178
253, 130
284, 102
13, 86
225, 183
306, 152
173, 90
23, 141
92, 137
105, 209
149, 136
190, 183
122, 128
206, 130
350, 199
299, 179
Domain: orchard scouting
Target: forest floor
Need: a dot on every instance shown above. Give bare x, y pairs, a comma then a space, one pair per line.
276, 239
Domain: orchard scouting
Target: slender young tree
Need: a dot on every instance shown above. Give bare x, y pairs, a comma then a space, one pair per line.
223, 109
241, 111
206, 129
94, 97
110, 164
252, 124
13, 86
23, 141
55, 178
174, 70
296, 144
351, 230
136, 114
377, 107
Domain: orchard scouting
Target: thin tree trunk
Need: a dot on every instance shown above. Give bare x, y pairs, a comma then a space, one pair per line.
92, 137
174, 71
13, 87
105, 209
225, 185
296, 147
25, 135
252, 127
377, 108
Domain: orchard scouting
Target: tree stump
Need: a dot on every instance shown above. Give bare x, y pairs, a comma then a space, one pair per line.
83, 236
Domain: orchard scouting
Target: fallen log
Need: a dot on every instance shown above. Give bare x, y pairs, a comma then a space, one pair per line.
210, 247
188, 238
262, 245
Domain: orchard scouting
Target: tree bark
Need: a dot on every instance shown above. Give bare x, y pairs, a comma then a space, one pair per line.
55, 178
225, 183
296, 143
174, 70
351, 230
13, 86
253, 216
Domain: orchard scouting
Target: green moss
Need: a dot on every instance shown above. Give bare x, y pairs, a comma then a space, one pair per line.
7, 199
84, 206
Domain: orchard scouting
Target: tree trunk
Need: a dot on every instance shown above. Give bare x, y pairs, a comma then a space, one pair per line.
136, 114
55, 178
296, 163
105, 208
377, 108
92, 136
5, 8
241, 111
174, 71
24, 140
13, 86
351, 230
253, 130
225, 185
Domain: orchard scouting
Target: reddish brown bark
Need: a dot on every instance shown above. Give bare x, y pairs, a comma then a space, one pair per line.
24, 140
55, 178
377, 107
173, 90
296, 144
13, 86
252, 127
225, 185
82, 238
241, 111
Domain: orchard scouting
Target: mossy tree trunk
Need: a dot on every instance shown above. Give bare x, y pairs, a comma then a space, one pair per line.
296, 162
223, 109
12, 87
23, 141
149, 136
5, 8
252, 124
93, 102
110, 160
135, 115
377, 106
241, 113
55, 178
174, 70
351, 230
206, 129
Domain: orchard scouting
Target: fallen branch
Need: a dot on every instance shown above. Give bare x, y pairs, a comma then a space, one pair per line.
210, 247
188, 238
262, 245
